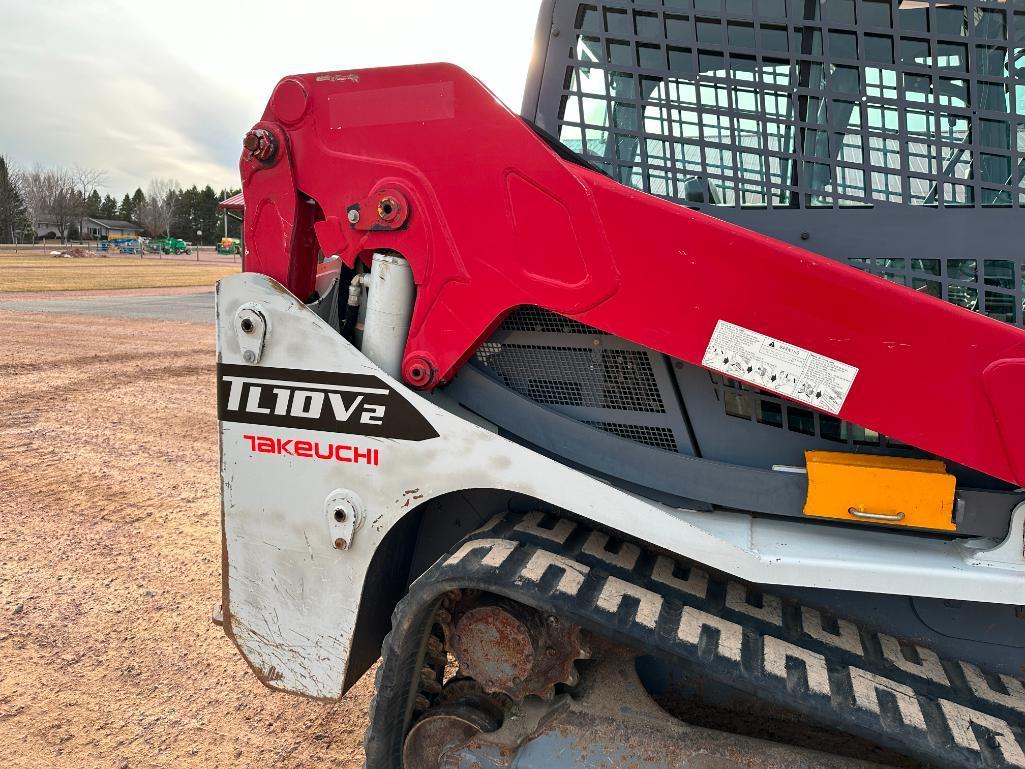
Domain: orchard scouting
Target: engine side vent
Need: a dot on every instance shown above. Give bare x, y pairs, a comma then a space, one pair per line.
594, 378
656, 437
527, 318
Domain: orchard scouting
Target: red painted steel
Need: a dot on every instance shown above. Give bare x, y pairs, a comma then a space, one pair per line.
496, 219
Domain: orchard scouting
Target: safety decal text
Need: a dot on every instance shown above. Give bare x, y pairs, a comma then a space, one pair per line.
779, 367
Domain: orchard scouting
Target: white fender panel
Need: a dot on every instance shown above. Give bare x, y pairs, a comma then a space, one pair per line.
291, 597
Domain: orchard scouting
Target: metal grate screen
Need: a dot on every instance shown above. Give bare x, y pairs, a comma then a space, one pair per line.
802, 103
596, 379
575, 376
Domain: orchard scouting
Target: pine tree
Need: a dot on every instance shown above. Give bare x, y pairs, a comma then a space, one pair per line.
209, 216
93, 202
13, 214
186, 220
108, 209
138, 200
126, 211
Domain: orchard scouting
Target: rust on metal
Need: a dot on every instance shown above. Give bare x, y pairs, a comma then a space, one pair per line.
461, 711
494, 647
383, 210
512, 649
261, 145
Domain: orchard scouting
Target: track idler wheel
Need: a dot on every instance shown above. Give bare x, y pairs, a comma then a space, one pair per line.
462, 712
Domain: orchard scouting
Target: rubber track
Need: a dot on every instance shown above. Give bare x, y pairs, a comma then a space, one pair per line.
946, 713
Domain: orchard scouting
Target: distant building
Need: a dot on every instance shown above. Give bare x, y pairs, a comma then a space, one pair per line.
91, 229
104, 229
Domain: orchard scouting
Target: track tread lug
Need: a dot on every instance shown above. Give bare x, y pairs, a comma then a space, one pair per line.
834, 671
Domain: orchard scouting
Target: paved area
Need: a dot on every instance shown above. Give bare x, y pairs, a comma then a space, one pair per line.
195, 307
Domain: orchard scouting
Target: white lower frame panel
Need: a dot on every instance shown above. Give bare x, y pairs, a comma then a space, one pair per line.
292, 597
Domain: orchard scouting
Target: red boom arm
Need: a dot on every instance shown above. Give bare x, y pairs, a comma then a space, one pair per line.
425, 161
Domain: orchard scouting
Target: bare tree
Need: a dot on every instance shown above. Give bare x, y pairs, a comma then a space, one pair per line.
52, 196
157, 211
88, 179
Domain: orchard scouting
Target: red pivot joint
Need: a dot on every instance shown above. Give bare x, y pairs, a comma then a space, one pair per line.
260, 144
384, 210
420, 372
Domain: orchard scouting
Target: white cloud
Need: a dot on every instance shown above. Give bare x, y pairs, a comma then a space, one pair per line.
148, 89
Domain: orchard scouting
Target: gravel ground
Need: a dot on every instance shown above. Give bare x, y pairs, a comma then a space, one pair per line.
195, 307
110, 563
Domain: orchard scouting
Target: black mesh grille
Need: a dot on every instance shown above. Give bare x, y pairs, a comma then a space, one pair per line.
802, 103
656, 437
576, 376
529, 318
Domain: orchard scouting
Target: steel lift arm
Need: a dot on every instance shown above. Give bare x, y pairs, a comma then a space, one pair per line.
426, 162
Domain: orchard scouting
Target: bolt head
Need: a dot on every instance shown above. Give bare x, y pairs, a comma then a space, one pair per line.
249, 356
339, 544
354, 216
260, 144
388, 209
252, 141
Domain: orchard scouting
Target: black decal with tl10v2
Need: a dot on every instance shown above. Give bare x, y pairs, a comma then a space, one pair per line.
352, 404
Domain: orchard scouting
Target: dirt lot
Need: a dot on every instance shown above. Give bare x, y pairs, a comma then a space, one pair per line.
109, 563
36, 272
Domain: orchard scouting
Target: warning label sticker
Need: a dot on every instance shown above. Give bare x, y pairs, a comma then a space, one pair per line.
778, 367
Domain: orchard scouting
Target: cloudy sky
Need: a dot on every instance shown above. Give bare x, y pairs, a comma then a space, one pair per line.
167, 89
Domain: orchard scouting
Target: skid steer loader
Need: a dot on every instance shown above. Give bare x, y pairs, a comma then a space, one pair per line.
676, 422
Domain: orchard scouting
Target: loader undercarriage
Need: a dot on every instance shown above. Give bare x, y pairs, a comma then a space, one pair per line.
538, 572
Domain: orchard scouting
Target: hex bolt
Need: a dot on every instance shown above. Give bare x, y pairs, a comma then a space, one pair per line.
252, 141
261, 145
354, 216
